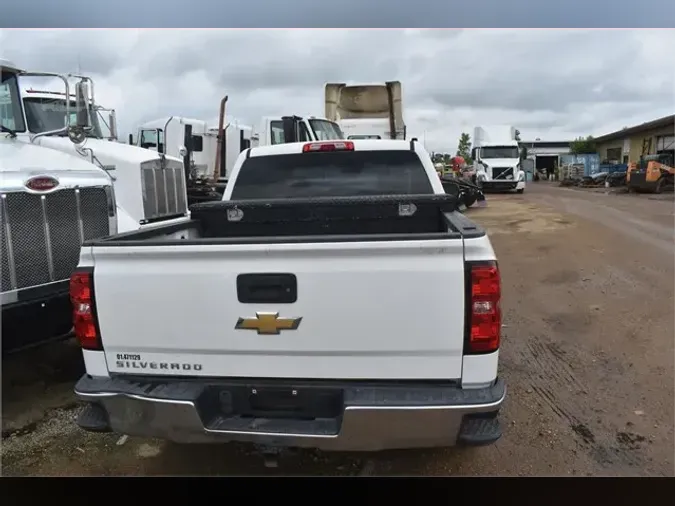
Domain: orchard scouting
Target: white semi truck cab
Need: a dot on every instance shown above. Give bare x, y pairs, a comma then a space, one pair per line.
283, 129
496, 158
366, 111
149, 187
212, 154
180, 136
50, 203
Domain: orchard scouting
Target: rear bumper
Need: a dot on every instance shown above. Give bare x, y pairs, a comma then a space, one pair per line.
369, 418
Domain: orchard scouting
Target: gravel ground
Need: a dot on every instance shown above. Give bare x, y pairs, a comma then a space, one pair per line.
587, 354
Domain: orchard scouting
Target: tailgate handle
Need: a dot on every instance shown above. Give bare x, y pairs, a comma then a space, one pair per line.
267, 288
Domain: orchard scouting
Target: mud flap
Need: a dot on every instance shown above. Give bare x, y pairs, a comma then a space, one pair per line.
479, 431
94, 418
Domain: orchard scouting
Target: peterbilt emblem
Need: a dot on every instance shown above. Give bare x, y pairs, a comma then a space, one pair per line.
42, 183
268, 323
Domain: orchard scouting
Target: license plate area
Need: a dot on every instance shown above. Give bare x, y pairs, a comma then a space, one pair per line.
280, 402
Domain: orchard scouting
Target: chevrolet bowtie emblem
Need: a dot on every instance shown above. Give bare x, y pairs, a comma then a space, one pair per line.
268, 323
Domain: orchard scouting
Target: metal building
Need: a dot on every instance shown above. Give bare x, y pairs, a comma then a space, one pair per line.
545, 154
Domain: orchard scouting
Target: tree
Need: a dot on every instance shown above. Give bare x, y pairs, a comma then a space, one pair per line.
581, 146
464, 147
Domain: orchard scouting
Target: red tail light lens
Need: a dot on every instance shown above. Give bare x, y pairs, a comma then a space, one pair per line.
84, 319
485, 313
328, 146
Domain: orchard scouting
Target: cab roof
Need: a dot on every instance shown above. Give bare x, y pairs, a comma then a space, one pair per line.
359, 145
9, 65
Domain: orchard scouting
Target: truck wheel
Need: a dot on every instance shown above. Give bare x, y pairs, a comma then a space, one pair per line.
520, 191
660, 185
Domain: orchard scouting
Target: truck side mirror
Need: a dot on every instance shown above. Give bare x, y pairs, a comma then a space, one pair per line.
131, 139
473, 153
288, 124
82, 105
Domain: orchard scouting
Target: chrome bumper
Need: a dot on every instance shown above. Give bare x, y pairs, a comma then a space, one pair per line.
370, 417
499, 184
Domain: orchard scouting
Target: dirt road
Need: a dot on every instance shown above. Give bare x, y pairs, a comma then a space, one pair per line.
587, 354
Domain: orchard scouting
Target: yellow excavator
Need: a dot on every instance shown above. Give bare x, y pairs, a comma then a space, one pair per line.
652, 174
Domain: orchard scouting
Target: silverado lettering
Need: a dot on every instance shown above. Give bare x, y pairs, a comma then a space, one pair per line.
165, 366
400, 311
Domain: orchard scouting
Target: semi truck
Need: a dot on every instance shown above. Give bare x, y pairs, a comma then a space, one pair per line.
209, 153
51, 202
149, 187
212, 159
366, 111
496, 158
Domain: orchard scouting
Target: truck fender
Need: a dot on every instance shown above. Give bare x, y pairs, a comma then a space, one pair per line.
125, 223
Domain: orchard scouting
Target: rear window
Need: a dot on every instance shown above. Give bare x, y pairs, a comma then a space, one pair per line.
332, 174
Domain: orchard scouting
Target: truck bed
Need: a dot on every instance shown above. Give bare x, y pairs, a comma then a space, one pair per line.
345, 219
387, 305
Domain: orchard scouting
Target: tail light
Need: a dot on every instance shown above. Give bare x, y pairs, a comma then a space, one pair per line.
483, 312
328, 146
84, 309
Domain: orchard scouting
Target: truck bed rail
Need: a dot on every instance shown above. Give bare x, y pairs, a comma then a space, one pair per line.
343, 219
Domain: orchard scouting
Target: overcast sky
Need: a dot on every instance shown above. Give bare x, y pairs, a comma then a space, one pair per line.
346, 13
551, 84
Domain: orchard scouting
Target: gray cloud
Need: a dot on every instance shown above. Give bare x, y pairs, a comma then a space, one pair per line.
553, 84
94, 50
550, 71
348, 13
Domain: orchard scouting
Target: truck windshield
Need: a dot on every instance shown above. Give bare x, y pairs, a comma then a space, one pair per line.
499, 152
10, 104
332, 174
326, 130
45, 114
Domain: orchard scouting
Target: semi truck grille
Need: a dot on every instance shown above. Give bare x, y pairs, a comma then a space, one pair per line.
502, 172
41, 235
163, 191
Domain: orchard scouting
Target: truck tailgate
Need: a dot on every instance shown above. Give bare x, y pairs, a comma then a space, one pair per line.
375, 310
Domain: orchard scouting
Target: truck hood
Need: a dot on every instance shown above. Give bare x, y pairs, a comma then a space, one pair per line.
20, 156
104, 150
19, 161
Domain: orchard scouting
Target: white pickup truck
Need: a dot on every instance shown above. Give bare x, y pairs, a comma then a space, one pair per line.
334, 299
